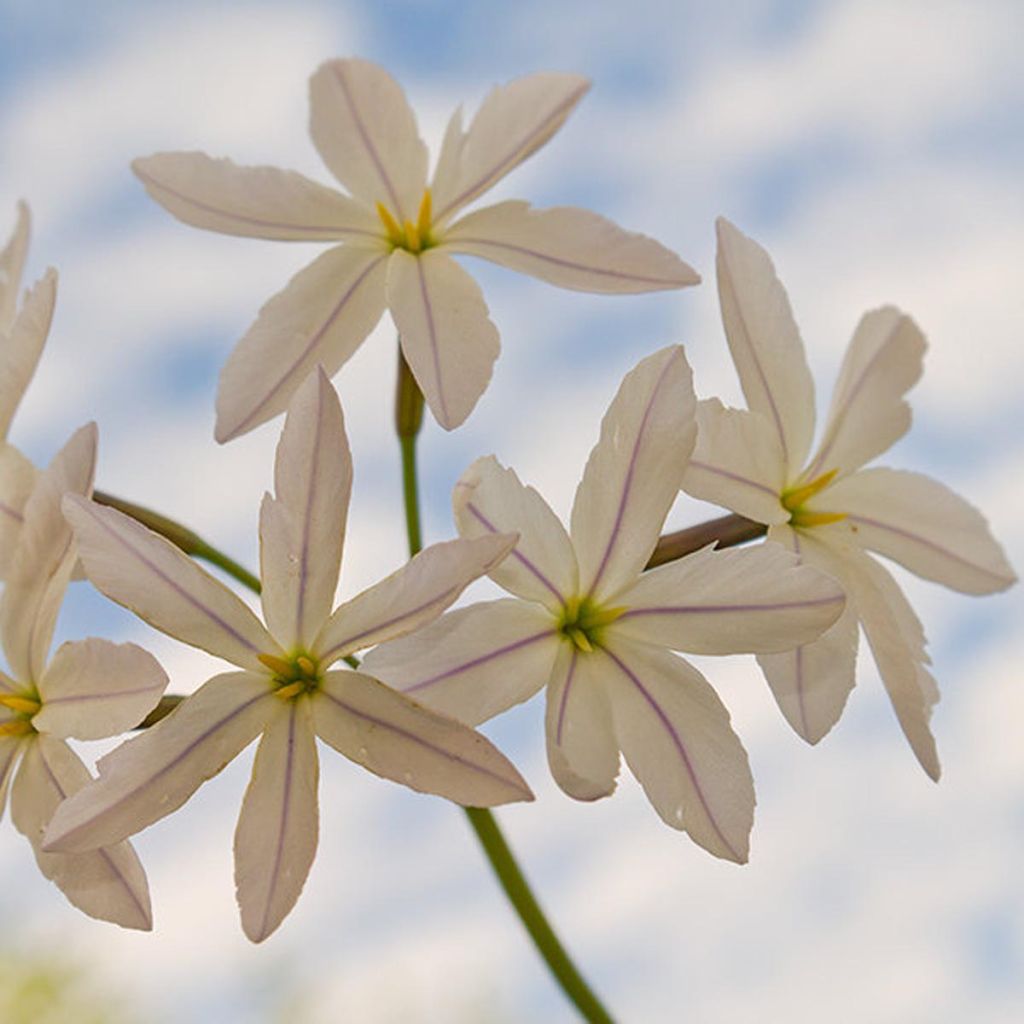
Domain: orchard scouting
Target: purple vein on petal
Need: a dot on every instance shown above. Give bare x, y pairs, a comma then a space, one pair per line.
718, 471
77, 698
511, 156
799, 655
515, 552
102, 851
329, 231
307, 519
13, 513
428, 312
441, 598
414, 738
680, 749
177, 587
368, 142
559, 261
630, 470
564, 702
314, 339
712, 609
481, 660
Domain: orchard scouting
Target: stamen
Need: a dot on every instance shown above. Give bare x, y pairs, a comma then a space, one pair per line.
423, 220
793, 499
412, 237
17, 727
804, 518
391, 226
579, 638
23, 705
277, 665
306, 665
291, 690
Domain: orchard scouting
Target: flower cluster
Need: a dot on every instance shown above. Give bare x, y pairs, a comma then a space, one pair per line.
587, 621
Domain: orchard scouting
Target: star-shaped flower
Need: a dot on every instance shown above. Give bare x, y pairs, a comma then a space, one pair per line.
286, 689
599, 631
398, 236
826, 507
89, 689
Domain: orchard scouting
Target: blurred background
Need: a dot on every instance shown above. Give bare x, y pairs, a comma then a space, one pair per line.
876, 150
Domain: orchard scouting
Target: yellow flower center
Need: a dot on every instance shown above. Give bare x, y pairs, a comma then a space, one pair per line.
794, 499
412, 237
25, 707
582, 622
294, 675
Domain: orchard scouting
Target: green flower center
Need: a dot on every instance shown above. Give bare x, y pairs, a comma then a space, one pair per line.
795, 498
583, 622
413, 237
295, 675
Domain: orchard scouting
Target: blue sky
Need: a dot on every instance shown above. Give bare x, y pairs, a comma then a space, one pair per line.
875, 149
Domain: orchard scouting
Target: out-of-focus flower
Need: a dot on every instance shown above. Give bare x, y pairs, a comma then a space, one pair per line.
89, 689
599, 631
285, 690
827, 508
398, 237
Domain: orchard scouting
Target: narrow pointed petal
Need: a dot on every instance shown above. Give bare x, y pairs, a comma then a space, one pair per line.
765, 342
45, 557
570, 248
868, 413
12, 265
445, 181
924, 526
17, 479
254, 202
472, 663
490, 499
21, 348
10, 748
513, 122
447, 337
94, 688
811, 682
898, 644
107, 883
737, 463
365, 131
276, 838
320, 318
677, 740
634, 472
411, 597
154, 773
751, 600
151, 577
302, 528
582, 750
393, 736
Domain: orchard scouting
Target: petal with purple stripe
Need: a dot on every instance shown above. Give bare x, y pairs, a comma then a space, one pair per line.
12, 263
22, 347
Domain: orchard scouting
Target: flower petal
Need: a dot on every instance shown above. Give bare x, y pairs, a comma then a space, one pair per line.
737, 463
634, 472
513, 122
94, 688
21, 349
12, 264
154, 773
254, 202
411, 597
445, 181
677, 740
276, 838
45, 558
924, 526
756, 600
10, 747
569, 247
17, 479
321, 317
582, 750
302, 528
472, 663
489, 499
898, 644
393, 736
868, 414
365, 131
447, 337
765, 342
812, 682
107, 883
150, 576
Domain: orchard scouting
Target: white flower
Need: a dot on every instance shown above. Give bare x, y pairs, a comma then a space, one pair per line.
599, 631
398, 237
285, 690
826, 507
88, 690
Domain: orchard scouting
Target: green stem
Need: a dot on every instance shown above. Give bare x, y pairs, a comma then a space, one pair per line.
408, 420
